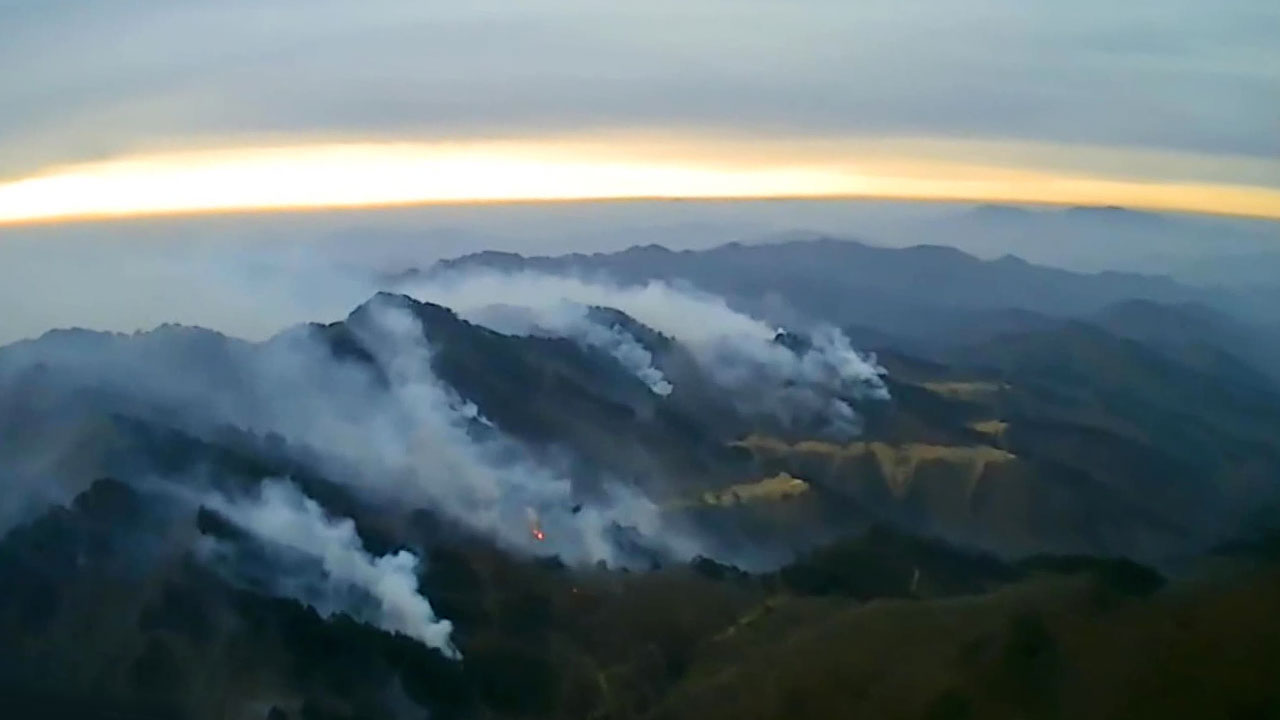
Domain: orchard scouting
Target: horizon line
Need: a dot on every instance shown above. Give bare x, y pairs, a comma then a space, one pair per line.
304, 209
354, 177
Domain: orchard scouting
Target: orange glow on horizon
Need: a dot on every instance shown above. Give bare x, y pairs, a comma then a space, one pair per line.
371, 175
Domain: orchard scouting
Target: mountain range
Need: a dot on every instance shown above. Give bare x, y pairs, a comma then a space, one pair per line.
677, 489
1194, 250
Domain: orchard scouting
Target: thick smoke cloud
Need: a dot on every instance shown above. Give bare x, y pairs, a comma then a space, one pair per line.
395, 433
321, 561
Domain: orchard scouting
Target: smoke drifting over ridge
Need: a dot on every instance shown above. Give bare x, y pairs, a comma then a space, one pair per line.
391, 432
818, 376
571, 320
320, 561
490, 483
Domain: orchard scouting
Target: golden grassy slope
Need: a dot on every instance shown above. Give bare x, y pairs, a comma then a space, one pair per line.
966, 390
994, 428
778, 487
898, 463
775, 488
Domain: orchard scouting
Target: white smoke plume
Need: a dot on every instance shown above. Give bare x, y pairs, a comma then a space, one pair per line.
692, 317
283, 518
253, 292
573, 320
739, 352
487, 484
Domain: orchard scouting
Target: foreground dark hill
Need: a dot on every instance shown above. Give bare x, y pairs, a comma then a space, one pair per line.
884, 625
1045, 648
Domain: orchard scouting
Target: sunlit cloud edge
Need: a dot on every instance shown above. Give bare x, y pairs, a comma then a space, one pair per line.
368, 175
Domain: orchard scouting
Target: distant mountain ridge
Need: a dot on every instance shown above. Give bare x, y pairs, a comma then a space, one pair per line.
1090, 239
954, 276
924, 291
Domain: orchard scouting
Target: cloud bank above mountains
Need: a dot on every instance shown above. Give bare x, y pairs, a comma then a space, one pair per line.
1180, 95
1086, 73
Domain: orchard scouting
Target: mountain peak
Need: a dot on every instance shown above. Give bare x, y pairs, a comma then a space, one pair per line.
496, 259
933, 250
1011, 260
1113, 213
433, 317
649, 249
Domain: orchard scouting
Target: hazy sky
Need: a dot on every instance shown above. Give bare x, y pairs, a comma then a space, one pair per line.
1164, 91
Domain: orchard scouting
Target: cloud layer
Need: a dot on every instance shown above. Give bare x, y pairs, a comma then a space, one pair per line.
1183, 75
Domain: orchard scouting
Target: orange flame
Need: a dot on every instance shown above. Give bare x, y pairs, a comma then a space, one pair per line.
535, 525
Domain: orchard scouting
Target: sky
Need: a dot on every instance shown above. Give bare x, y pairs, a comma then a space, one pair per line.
131, 107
